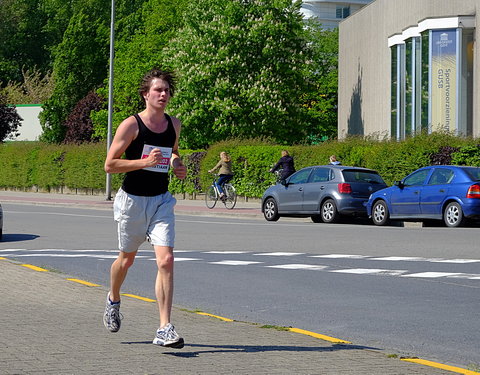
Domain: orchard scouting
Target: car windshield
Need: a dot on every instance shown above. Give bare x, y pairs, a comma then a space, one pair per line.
473, 173
362, 176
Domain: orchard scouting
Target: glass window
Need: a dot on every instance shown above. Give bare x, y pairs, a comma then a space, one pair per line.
425, 38
474, 173
300, 177
343, 12
362, 176
394, 92
441, 176
416, 178
409, 77
320, 175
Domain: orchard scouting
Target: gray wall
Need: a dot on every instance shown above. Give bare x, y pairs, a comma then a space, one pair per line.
364, 60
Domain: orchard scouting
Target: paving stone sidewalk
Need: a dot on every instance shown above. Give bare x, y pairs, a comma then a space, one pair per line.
51, 325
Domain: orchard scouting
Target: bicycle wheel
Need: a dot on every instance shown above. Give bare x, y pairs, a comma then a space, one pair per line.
230, 196
211, 197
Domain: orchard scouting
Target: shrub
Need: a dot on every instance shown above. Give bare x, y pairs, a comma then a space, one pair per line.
10, 120
79, 124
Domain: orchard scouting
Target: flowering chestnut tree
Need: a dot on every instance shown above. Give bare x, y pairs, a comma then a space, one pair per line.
240, 71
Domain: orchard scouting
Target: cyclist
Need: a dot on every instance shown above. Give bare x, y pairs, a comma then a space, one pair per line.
225, 173
287, 165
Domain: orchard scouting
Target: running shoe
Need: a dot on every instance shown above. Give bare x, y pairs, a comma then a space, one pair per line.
112, 318
167, 336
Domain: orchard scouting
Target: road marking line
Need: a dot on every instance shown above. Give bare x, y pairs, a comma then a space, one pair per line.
405, 259
226, 252
138, 297
371, 271
440, 366
180, 259
319, 336
280, 254
35, 268
83, 282
214, 316
2, 258
460, 261
234, 263
335, 256
431, 275
299, 267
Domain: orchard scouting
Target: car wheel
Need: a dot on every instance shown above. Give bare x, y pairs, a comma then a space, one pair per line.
453, 215
316, 218
329, 211
380, 215
270, 210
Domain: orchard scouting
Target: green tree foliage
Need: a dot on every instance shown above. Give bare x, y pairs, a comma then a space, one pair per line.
80, 65
9, 120
321, 72
23, 41
34, 89
239, 64
141, 37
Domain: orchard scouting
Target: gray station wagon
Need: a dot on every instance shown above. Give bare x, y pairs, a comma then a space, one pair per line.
323, 192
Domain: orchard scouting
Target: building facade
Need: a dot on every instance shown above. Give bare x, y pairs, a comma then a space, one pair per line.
408, 66
30, 129
330, 13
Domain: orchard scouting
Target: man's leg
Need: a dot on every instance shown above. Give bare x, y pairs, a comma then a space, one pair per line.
118, 272
112, 318
166, 334
164, 282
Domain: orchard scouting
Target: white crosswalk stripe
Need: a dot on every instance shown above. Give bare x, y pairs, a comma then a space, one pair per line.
371, 271
298, 267
234, 262
201, 256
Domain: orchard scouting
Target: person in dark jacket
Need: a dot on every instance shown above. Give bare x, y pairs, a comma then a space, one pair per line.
286, 164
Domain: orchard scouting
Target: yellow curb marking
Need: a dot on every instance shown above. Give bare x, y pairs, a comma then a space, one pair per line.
35, 268
138, 297
440, 366
215, 316
319, 336
2, 258
83, 282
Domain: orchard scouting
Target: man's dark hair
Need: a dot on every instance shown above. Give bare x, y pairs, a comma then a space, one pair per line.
160, 74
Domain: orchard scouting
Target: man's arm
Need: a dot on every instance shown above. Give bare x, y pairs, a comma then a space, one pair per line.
125, 134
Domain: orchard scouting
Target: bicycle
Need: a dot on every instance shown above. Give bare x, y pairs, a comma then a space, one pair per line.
212, 195
278, 175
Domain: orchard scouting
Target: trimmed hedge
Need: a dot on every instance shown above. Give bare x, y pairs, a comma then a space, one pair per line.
27, 165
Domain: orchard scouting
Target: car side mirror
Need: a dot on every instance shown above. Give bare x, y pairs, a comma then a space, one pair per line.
400, 184
284, 182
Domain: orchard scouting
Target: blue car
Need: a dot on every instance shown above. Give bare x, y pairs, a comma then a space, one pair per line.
440, 192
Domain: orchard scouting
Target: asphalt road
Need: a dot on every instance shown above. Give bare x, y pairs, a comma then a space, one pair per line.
414, 291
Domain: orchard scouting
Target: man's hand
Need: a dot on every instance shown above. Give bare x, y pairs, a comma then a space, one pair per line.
179, 170
153, 158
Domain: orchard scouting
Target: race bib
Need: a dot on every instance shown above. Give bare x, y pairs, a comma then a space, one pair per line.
164, 164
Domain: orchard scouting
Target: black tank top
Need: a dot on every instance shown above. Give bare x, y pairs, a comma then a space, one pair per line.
144, 182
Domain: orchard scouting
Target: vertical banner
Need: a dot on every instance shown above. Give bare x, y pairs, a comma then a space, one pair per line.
444, 79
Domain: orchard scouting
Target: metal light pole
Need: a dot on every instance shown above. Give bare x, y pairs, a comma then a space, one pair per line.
110, 97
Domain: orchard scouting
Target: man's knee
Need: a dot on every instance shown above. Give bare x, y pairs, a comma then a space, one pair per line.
126, 260
165, 260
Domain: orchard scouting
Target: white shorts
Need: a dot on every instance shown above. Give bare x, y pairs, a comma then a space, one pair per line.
144, 218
